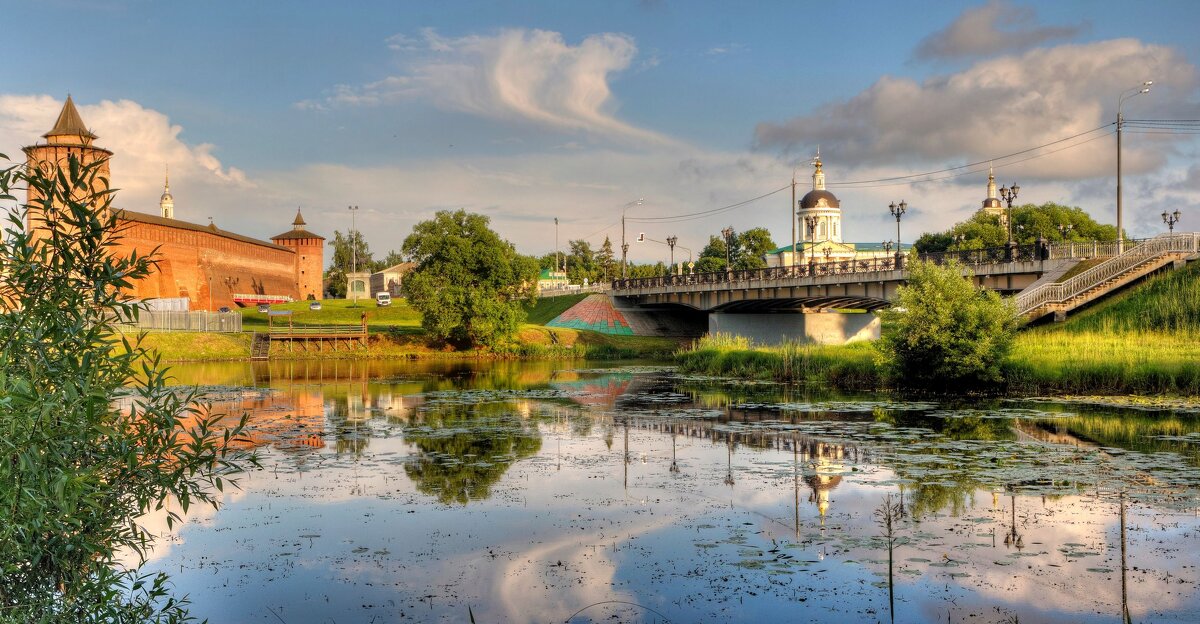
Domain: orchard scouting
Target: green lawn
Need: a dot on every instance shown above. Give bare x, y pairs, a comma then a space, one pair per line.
340, 312
547, 309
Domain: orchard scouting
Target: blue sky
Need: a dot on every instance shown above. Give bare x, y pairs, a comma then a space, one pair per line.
527, 111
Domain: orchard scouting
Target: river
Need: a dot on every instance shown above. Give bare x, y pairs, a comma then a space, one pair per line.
588, 492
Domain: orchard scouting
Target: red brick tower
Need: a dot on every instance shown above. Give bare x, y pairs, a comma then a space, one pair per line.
69, 137
310, 256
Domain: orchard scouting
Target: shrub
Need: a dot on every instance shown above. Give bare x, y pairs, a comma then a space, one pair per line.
93, 438
944, 332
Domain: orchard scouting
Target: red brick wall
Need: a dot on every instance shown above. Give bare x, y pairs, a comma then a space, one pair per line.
189, 261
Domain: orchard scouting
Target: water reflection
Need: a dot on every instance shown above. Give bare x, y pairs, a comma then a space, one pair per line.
410, 492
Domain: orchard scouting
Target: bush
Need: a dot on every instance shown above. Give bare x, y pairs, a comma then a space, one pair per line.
93, 438
944, 332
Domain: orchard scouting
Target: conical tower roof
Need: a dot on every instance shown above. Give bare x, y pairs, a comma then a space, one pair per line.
69, 123
299, 222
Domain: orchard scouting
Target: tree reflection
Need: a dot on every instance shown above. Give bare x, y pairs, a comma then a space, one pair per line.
466, 449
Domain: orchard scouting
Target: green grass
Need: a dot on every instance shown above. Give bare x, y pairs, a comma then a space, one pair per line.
340, 312
844, 366
1168, 302
547, 309
198, 346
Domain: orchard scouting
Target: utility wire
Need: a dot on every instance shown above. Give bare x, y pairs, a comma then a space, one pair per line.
704, 213
854, 183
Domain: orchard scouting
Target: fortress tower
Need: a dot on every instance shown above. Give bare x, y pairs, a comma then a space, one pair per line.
69, 137
310, 257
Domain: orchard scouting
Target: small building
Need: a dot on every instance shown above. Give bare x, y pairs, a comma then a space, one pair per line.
356, 285
550, 279
391, 279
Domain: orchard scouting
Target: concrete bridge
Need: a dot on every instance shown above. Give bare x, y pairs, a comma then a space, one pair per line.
795, 303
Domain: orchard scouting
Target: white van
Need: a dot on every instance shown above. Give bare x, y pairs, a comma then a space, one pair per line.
383, 299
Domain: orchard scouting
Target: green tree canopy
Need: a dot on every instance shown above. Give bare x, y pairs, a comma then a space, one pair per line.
1051, 221
944, 332
468, 280
606, 260
746, 251
350, 252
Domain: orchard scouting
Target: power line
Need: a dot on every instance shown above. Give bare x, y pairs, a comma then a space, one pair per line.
704, 213
856, 183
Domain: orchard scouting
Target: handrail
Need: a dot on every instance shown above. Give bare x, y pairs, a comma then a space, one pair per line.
318, 329
1057, 293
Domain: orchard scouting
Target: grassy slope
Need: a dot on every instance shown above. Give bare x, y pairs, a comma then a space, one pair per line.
548, 308
339, 312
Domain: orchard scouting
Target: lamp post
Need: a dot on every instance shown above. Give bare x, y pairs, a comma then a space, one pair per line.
1132, 92
1009, 195
1171, 220
1065, 229
671, 240
353, 253
557, 259
625, 245
728, 234
811, 224
898, 211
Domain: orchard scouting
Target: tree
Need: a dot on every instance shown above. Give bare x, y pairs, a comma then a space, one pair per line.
93, 438
1051, 221
581, 263
607, 260
468, 280
752, 245
350, 252
945, 332
746, 251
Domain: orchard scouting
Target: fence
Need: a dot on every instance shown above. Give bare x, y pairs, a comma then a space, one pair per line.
185, 321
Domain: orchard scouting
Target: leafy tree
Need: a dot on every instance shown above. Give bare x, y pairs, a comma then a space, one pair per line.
93, 438
1051, 221
751, 246
746, 251
607, 260
581, 262
350, 251
468, 280
944, 332
392, 259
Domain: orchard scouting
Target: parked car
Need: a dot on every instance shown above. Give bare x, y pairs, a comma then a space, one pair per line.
383, 299
264, 307
316, 305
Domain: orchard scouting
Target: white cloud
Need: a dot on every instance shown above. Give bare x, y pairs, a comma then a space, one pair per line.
1001, 106
978, 32
530, 76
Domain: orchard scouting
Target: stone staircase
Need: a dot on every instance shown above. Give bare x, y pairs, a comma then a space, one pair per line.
1131, 265
260, 346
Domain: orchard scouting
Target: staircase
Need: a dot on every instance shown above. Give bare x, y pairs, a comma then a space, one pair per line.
1112, 274
260, 346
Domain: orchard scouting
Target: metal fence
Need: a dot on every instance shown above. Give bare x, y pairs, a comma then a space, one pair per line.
148, 320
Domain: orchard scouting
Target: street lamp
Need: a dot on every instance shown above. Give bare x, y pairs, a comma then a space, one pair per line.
1009, 195
671, 240
1171, 220
898, 211
811, 224
1133, 92
1065, 228
353, 253
625, 245
728, 234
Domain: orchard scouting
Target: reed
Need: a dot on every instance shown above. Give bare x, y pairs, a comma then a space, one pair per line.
845, 366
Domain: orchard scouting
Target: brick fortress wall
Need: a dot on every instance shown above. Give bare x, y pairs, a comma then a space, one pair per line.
190, 260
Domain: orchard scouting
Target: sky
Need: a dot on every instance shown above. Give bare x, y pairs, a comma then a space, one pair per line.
530, 111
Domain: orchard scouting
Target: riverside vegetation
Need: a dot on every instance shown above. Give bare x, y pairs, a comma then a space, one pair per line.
93, 437
1145, 340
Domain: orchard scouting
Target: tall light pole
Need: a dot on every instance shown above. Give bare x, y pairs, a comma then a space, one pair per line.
1171, 220
728, 234
794, 214
557, 260
671, 240
1009, 195
625, 245
353, 252
1133, 92
811, 224
898, 211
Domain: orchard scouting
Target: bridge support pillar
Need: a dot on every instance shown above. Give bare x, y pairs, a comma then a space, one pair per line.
777, 328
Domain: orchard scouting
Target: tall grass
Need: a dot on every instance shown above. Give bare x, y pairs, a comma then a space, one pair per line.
1169, 302
1108, 361
846, 366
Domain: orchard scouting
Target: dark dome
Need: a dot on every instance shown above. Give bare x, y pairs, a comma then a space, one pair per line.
991, 202
813, 200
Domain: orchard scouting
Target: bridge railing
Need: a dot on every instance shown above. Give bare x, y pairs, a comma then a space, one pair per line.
1136, 253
